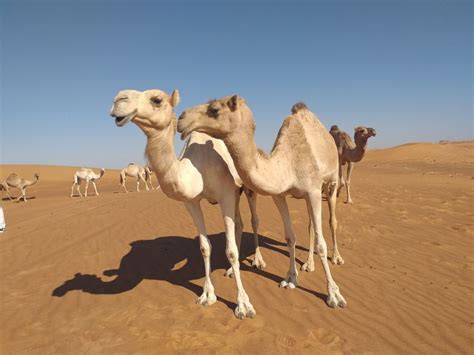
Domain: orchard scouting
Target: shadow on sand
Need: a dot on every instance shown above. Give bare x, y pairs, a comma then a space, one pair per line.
157, 259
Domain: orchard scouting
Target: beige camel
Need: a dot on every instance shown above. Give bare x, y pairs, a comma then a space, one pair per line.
142, 173
350, 153
303, 161
14, 181
87, 175
204, 171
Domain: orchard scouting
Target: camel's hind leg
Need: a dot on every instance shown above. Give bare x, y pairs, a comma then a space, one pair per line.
332, 199
79, 189
291, 278
252, 200
350, 167
244, 307
335, 297
208, 296
123, 180
308, 266
72, 189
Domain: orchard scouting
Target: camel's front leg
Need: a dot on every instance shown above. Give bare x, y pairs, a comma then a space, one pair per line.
142, 178
87, 187
138, 183
244, 307
341, 179
252, 200
290, 237
332, 199
335, 297
95, 188
239, 227
208, 296
350, 167
72, 189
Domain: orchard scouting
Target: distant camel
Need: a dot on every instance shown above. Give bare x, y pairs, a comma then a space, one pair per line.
18, 183
350, 153
142, 173
87, 175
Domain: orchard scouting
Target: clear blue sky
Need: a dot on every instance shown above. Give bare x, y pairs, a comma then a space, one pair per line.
402, 67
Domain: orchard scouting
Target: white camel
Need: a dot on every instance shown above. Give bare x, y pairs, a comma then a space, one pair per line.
204, 171
87, 175
141, 173
303, 161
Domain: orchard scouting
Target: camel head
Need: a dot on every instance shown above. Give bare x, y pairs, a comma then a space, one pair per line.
218, 118
151, 110
363, 133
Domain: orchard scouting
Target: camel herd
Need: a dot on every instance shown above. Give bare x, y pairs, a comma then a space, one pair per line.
220, 160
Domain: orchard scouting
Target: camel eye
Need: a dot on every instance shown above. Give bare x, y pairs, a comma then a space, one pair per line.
156, 100
213, 112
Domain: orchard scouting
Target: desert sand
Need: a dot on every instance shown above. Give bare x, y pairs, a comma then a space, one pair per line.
120, 273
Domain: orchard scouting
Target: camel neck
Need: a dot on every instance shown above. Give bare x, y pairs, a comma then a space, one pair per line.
356, 154
264, 174
161, 154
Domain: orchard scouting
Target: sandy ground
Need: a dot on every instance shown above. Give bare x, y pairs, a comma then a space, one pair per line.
120, 273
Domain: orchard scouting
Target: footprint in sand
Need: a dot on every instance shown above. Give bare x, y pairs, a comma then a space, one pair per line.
325, 337
286, 341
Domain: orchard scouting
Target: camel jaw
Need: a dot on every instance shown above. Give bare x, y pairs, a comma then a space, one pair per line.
123, 120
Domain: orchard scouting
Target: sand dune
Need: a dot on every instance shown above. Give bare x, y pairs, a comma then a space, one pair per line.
119, 273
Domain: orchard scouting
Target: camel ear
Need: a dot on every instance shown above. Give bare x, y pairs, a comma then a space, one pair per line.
233, 103
174, 101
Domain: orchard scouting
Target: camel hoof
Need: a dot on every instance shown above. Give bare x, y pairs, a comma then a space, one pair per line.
308, 267
206, 300
259, 263
350, 202
337, 260
336, 300
245, 311
288, 284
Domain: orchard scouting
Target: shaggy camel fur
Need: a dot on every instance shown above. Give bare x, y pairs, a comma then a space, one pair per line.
142, 173
303, 161
13, 180
204, 171
350, 153
87, 175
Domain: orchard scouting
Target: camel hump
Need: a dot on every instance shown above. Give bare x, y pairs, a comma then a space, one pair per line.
298, 107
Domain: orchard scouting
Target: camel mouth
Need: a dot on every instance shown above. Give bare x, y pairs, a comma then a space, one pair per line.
184, 129
123, 120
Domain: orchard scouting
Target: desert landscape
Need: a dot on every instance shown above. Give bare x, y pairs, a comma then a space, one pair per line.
120, 273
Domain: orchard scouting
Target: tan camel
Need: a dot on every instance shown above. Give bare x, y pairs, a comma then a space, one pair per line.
87, 175
14, 181
350, 153
204, 171
142, 173
303, 161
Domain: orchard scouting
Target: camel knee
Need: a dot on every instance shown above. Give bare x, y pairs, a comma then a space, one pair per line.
232, 255
322, 250
205, 251
255, 223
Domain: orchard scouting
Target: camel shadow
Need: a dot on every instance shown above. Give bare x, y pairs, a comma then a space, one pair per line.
14, 199
174, 259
